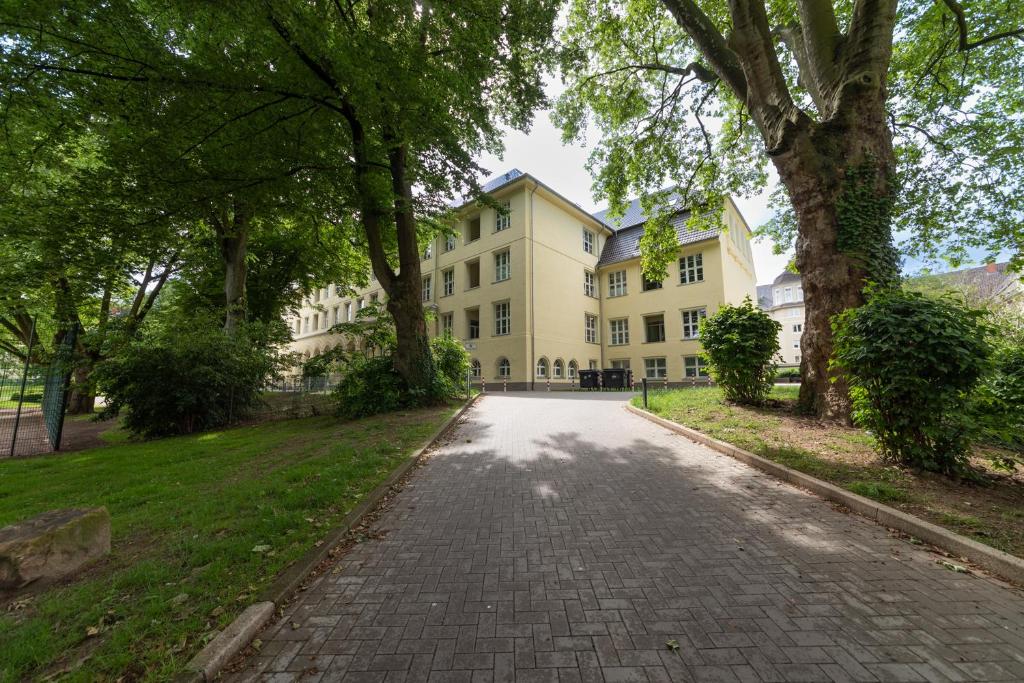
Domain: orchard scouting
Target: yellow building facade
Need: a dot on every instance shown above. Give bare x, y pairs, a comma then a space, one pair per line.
545, 290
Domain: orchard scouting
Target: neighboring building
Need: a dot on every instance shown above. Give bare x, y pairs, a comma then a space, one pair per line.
783, 299
549, 289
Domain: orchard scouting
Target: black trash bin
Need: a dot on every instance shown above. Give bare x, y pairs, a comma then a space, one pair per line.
614, 378
590, 379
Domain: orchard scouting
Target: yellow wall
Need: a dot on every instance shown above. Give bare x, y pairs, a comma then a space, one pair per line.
670, 301
546, 290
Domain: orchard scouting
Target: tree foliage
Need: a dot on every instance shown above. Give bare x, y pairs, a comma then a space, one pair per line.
912, 363
874, 114
954, 104
741, 344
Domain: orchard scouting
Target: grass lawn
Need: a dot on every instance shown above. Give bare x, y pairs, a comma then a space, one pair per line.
200, 525
990, 512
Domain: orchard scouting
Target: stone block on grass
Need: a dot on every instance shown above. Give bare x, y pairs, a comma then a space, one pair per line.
52, 545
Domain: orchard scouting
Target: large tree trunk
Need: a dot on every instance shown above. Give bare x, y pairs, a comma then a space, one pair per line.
233, 240
83, 395
840, 180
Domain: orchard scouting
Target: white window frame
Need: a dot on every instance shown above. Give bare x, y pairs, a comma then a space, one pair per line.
618, 332
691, 318
617, 283
448, 282
572, 369
590, 328
590, 283
695, 366
448, 324
557, 369
798, 327
475, 368
660, 372
502, 270
691, 268
542, 367
428, 251
588, 240
502, 318
449, 242
787, 295
427, 291
504, 368
503, 221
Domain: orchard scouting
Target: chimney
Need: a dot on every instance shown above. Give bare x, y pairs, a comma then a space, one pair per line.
990, 267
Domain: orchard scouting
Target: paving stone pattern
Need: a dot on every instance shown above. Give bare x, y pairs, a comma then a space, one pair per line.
560, 538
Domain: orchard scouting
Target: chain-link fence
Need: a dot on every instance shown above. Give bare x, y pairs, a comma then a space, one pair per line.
33, 398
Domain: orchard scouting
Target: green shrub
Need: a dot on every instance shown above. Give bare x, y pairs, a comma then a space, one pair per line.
370, 386
369, 383
187, 379
740, 345
911, 363
451, 362
27, 397
997, 405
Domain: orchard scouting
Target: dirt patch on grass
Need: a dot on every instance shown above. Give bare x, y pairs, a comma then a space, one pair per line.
989, 510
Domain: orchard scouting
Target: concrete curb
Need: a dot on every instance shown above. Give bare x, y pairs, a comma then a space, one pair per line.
996, 561
218, 652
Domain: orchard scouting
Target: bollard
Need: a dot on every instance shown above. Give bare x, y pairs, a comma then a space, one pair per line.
644, 382
549, 384
483, 384
572, 385
505, 384
666, 384
600, 382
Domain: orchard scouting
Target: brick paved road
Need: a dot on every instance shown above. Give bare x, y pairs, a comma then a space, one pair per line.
563, 539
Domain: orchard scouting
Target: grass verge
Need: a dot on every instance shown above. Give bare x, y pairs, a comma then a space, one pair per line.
990, 511
200, 525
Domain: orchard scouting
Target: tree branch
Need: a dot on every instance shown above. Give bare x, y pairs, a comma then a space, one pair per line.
966, 45
711, 43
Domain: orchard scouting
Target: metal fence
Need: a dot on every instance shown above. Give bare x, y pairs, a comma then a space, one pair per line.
33, 399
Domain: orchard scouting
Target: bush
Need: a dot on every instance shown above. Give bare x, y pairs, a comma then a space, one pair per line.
451, 362
369, 383
911, 363
997, 405
740, 345
187, 379
370, 386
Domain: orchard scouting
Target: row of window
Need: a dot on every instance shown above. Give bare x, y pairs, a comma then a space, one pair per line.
654, 368
654, 327
558, 369
691, 270
502, 221
785, 295
339, 314
502, 272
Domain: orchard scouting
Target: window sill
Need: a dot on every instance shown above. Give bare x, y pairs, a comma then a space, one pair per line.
470, 289
498, 282
684, 284
659, 341
616, 296
619, 344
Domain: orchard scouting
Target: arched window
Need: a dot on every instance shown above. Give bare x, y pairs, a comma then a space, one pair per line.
573, 368
542, 367
474, 368
504, 368
556, 369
